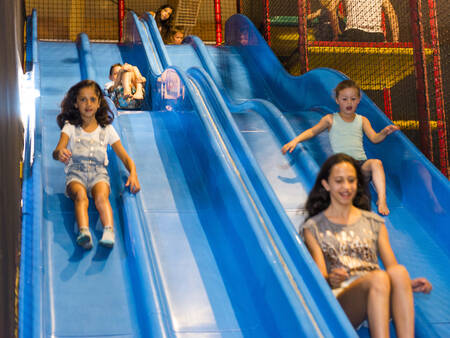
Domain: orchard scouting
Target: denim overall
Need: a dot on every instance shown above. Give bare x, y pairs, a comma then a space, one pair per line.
89, 160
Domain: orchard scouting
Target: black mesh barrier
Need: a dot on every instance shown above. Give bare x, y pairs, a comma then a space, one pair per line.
374, 43
99, 19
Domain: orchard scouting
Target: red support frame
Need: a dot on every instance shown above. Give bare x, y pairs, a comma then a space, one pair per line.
266, 9
387, 102
302, 36
218, 19
437, 75
121, 13
423, 102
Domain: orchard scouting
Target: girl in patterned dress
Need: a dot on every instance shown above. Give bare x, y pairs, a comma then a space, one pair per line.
345, 240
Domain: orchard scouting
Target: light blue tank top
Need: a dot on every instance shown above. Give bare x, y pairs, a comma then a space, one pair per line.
347, 137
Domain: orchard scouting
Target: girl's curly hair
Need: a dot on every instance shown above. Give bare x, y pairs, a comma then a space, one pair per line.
319, 198
71, 114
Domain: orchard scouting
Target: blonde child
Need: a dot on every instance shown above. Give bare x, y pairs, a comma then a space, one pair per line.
345, 240
86, 120
346, 136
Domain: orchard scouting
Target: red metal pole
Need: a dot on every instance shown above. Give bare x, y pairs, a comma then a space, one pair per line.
121, 9
423, 102
266, 9
218, 18
387, 102
437, 75
302, 37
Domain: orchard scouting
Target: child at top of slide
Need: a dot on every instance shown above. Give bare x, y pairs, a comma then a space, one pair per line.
346, 136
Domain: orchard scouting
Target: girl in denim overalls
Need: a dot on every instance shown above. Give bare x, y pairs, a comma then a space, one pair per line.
86, 120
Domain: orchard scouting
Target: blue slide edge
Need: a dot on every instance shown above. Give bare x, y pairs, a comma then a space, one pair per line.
196, 101
307, 276
185, 79
326, 305
30, 296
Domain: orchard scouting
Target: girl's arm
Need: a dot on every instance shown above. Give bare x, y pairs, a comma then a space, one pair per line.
384, 247
388, 258
132, 181
61, 153
316, 252
324, 123
374, 136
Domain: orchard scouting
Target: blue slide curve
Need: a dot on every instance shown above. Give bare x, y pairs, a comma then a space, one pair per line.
200, 251
260, 107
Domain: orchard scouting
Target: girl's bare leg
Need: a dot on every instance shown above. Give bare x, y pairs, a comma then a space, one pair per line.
368, 297
375, 167
77, 192
402, 303
100, 193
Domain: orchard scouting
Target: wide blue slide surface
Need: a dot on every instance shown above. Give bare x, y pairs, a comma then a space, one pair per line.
269, 107
194, 254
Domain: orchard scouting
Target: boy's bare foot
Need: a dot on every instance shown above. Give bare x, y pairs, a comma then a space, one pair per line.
383, 208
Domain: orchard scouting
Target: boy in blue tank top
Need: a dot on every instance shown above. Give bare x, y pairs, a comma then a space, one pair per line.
346, 136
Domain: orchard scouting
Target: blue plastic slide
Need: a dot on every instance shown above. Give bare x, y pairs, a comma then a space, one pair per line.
254, 95
196, 252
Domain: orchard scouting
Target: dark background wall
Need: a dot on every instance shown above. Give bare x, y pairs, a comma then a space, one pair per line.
11, 37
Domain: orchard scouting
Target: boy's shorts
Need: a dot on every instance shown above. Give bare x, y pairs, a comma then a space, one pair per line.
129, 103
87, 175
123, 102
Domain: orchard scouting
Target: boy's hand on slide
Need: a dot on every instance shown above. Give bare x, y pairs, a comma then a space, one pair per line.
390, 129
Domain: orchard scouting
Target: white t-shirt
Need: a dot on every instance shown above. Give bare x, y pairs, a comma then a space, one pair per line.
111, 135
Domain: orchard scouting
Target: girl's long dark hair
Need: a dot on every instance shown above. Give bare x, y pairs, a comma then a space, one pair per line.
165, 25
319, 199
70, 113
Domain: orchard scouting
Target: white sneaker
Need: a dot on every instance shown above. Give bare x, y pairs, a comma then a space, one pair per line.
84, 239
108, 237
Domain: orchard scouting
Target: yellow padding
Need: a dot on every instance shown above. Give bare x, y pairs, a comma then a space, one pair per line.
412, 124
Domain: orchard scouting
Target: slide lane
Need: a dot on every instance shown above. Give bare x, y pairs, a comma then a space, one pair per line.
83, 293
324, 307
211, 268
244, 74
185, 223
